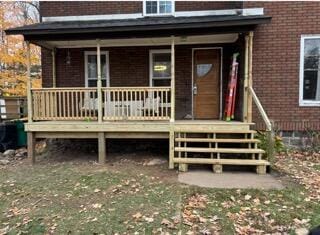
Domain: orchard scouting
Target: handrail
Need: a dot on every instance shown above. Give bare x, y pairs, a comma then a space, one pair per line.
260, 108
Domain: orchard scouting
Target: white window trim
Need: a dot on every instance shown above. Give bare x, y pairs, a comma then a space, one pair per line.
86, 53
303, 102
151, 52
172, 13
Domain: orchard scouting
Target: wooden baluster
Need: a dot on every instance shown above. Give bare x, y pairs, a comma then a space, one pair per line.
72, 104
76, 104
34, 102
51, 104
64, 104
67, 104
127, 103
122, 104
114, 103
118, 102
153, 104
55, 104
106, 101
132, 115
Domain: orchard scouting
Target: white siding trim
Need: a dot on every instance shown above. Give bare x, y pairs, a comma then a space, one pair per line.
244, 12
92, 17
302, 102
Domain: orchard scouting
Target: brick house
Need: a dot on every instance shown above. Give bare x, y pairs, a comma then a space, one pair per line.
164, 73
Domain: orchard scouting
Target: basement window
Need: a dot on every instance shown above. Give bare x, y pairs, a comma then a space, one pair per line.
158, 7
160, 68
310, 71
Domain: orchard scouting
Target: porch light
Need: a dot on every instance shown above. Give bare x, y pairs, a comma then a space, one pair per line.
68, 58
160, 67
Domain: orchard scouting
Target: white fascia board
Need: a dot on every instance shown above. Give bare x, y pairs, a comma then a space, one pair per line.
252, 11
244, 12
92, 17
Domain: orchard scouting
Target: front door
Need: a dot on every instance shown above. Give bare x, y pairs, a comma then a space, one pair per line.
206, 83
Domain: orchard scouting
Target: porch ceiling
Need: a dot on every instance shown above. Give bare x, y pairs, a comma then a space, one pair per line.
147, 27
159, 41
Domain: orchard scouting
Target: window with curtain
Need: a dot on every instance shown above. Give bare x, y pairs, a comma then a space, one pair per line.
310, 70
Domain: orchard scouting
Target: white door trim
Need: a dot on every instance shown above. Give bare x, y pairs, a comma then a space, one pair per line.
192, 76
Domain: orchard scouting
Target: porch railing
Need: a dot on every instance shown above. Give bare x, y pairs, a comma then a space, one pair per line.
118, 103
143, 103
64, 103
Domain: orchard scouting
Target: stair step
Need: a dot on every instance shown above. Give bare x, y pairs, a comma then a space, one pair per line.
208, 140
217, 150
222, 161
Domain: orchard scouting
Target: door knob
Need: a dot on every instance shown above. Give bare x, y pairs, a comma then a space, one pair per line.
195, 89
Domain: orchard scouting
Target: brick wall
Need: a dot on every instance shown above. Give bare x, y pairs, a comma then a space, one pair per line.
276, 59
129, 66
71, 8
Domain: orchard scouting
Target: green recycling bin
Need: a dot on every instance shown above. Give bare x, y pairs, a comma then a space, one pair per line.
21, 134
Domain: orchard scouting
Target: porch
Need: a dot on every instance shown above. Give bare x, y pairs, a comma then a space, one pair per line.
129, 111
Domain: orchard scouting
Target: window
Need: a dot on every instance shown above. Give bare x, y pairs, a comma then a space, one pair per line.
158, 7
310, 71
160, 68
91, 72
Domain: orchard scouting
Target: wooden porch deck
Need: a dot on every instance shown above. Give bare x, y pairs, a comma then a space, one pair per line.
190, 141
126, 127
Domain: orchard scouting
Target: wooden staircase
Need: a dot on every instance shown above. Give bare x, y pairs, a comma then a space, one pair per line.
218, 144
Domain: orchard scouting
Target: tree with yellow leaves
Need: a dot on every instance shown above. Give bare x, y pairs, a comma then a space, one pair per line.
13, 62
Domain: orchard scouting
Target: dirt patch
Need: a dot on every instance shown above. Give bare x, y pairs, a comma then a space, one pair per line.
122, 156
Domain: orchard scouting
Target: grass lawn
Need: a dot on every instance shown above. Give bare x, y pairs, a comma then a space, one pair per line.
81, 197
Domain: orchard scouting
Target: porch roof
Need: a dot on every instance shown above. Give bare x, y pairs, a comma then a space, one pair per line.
138, 28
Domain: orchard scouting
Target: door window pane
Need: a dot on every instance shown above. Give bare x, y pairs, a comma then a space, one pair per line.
92, 71
160, 68
203, 69
93, 82
92, 66
161, 82
161, 65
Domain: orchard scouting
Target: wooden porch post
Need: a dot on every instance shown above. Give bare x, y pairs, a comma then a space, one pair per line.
245, 84
31, 147
173, 96
101, 148
30, 135
54, 76
249, 113
99, 83
29, 84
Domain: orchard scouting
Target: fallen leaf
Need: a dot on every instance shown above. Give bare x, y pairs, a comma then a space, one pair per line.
138, 215
97, 205
149, 219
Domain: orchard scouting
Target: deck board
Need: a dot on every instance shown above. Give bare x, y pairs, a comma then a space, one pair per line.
137, 126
